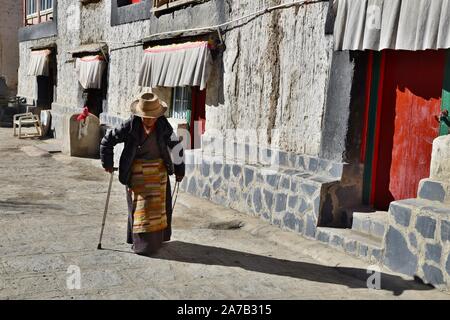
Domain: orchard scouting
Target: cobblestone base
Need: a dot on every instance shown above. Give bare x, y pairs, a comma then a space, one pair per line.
286, 197
418, 240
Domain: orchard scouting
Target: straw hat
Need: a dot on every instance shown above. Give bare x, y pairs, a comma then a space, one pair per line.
148, 105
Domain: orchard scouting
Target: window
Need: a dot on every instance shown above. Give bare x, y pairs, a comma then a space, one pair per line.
38, 11
159, 5
31, 7
46, 5
182, 103
121, 3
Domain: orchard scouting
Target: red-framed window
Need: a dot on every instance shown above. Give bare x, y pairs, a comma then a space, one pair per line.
37, 11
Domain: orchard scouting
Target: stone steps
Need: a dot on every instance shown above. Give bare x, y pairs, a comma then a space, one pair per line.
434, 190
352, 242
370, 223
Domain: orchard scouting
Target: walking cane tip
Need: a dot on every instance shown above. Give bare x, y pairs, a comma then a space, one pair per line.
99, 247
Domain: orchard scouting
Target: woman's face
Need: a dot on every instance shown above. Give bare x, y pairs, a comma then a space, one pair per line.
149, 122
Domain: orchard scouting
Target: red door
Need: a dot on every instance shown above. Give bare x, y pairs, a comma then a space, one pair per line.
411, 97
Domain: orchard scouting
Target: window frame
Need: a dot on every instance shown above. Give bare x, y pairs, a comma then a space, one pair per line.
181, 112
37, 12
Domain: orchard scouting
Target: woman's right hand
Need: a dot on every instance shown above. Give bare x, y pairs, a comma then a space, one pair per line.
109, 169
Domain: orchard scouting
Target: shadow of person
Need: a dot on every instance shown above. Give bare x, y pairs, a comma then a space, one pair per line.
350, 277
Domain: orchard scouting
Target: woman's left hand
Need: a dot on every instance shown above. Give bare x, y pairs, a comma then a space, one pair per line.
179, 178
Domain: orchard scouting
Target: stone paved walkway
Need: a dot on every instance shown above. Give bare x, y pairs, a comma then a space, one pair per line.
51, 209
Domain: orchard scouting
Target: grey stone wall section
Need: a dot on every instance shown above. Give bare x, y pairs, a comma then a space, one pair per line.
417, 240
398, 257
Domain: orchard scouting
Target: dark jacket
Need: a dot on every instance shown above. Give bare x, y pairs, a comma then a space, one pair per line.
129, 132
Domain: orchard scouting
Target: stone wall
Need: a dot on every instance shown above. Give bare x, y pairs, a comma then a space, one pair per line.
276, 70
418, 241
285, 189
11, 19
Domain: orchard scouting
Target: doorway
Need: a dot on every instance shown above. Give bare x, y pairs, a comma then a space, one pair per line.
403, 99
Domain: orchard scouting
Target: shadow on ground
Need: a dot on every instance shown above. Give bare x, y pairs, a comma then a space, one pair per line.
351, 277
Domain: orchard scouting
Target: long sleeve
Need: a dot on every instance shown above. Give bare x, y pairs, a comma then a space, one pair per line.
112, 138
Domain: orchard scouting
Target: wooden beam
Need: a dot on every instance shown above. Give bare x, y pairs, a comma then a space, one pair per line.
38, 7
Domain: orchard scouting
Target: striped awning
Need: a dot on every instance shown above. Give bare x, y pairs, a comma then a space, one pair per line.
177, 65
39, 63
392, 24
90, 71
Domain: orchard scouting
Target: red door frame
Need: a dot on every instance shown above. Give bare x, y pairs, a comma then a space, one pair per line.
372, 122
198, 117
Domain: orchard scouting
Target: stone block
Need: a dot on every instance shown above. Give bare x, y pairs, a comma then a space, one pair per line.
249, 175
413, 240
237, 170
401, 214
285, 183
283, 159
445, 230
398, 257
426, 226
433, 252
336, 170
192, 188
205, 169
294, 186
303, 206
313, 164
217, 168
206, 192
337, 241
310, 227
378, 229
301, 163
432, 275
323, 237
292, 201
350, 246
233, 194
273, 179
257, 203
431, 190
268, 197
290, 221
226, 171
377, 254
216, 185
280, 204
308, 189
363, 250
293, 160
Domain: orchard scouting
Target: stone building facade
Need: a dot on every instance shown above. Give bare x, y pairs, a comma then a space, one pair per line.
11, 17
285, 117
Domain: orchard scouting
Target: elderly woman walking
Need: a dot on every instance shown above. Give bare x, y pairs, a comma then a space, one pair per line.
152, 153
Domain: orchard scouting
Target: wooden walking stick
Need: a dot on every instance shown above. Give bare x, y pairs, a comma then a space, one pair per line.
99, 246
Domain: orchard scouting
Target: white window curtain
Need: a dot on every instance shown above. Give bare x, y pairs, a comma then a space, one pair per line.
90, 71
39, 63
179, 65
392, 24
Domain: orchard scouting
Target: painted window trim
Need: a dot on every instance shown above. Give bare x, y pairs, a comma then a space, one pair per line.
373, 119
